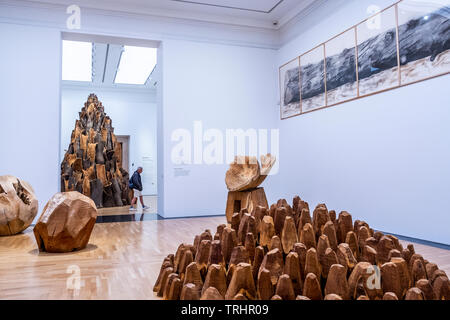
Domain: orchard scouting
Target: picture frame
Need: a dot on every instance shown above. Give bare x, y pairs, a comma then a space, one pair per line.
398, 67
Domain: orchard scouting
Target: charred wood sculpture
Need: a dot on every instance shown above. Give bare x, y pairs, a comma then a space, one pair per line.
66, 223
243, 179
92, 164
282, 254
18, 205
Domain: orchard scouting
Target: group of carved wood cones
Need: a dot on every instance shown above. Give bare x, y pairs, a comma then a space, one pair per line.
281, 253
92, 164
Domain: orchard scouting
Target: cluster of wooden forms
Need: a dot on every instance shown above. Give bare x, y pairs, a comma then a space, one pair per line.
92, 164
283, 253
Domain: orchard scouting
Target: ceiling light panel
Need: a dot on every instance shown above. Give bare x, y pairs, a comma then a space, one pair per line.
136, 65
76, 61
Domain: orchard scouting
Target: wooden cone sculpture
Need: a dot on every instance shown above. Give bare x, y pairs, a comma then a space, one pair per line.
289, 235
216, 278
284, 288
273, 261
292, 269
193, 276
264, 285
92, 164
337, 282
311, 288
211, 294
242, 282
391, 279
189, 292
390, 296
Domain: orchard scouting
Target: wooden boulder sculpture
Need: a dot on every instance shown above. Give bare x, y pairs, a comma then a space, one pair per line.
18, 205
243, 179
92, 164
66, 223
282, 254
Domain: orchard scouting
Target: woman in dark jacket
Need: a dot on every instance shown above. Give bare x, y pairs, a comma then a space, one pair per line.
136, 185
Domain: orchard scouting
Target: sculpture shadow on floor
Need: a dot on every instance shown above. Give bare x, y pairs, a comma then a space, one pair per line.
89, 247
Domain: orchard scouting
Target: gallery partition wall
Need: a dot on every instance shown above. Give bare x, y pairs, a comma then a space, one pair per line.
108, 118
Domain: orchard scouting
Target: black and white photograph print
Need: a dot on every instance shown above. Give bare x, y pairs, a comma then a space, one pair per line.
341, 68
290, 89
377, 53
312, 75
424, 36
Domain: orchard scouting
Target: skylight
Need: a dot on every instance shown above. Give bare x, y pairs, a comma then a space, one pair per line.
136, 64
77, 61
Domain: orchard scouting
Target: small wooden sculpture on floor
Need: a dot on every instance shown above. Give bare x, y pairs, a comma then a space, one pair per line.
92, 164
66, 223
18, 205
243, 179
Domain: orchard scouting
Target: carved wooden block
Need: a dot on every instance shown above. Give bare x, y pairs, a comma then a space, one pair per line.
249, 200
311, 288
284, 288
264, 284
216, 278
66, 223
211, 294
18, 205
267, 231
273, 261
242, 282
337, 282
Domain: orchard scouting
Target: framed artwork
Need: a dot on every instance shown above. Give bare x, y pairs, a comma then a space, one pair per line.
341, 68
424, 39
407, 42
377, 53
312, 76
290, 89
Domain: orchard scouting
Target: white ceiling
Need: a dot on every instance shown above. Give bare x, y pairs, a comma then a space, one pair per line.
256, 13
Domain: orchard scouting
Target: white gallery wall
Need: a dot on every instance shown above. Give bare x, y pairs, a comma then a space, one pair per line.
29, 106
133, 113
224, 75
224, 87
384, 158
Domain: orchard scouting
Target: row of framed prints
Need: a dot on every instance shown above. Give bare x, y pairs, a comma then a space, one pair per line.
400, 45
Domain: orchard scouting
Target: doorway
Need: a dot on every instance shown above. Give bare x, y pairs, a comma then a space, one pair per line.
122, 74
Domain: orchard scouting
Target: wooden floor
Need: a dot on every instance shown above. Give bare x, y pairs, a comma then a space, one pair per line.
122, 260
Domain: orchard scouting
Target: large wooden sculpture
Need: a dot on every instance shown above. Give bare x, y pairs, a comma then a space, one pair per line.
92, 164
243, 179
18, 205
66, 222
284, 253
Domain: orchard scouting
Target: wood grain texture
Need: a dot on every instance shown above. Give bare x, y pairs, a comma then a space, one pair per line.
121, 261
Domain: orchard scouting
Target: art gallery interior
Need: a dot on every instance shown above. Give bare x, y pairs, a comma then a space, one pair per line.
284, 149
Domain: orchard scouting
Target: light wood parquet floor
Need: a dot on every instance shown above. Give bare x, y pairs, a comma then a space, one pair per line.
122, 260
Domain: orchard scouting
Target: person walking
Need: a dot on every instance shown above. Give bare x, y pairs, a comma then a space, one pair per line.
136, 185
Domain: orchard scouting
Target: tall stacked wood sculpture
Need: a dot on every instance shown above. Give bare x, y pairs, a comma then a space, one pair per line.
66, 223
92, 164
284, 253
18, 205
243, 180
